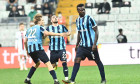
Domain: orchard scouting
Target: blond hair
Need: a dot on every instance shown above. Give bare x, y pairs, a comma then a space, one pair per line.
37, 18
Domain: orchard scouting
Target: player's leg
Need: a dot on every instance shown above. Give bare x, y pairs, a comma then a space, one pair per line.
100, 66
25, 59
24, 64
63, 58
52, 72
74, 71
21, 62
20, 59
44, 58
34, 56
55, 65
65, 69
79, 56
54, 59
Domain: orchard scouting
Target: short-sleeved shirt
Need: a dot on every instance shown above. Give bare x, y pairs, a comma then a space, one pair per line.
85, 26
57, 42
34, 35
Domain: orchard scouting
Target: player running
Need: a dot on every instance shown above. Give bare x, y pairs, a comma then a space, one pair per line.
57, 45
33, 44
86, 45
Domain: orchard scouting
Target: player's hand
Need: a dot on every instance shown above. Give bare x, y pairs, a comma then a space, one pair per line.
68, 33
94, 47
65, 34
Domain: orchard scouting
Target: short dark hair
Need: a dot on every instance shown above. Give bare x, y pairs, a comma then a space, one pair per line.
59, 12
21, 24
80, 5
120, 30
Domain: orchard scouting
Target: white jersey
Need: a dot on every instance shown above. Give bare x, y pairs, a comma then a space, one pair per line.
19, 44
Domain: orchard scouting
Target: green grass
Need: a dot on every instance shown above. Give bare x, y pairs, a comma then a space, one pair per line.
115, 74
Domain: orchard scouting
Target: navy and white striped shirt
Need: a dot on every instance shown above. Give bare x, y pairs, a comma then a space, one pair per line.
34, 35
57, 42
85, 26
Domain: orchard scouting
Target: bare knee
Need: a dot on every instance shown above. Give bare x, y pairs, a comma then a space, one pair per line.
37, 64
54, 64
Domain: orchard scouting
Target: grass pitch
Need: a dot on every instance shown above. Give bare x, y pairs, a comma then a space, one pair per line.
115, 74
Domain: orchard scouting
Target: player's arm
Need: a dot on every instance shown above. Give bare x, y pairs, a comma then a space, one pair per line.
96, 37
46, 33
66, 30
96, 34
95, 28
78, 41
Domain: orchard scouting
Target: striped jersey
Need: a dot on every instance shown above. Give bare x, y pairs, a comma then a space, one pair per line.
57, 42
20, 36
34, 35
85, 26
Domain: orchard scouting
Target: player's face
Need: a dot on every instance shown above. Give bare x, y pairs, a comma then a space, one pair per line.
81, 11
42, 22
21, 27
54, 19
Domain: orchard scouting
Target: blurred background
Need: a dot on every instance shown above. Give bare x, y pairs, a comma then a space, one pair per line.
119, 38
110, 16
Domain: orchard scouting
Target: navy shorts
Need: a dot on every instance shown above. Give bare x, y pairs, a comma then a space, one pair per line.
84, 52
39, 55
55, 55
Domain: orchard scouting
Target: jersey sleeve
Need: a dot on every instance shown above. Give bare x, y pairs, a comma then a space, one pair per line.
47, 28
42, 29
64, 29
77, 24
93, 22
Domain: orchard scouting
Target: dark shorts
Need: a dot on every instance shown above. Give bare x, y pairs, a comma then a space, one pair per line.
39, 55
84, 52
55, 55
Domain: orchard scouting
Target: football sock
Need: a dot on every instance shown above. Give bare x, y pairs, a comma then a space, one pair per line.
28, 78
21, 64
32, 70
52, 72
66, 78
65, 69
25, 60
101, 69
75, 70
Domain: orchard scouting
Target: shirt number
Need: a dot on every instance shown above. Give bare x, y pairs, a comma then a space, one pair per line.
32, 33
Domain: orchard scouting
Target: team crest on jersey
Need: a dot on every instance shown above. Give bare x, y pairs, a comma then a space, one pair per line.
83, 23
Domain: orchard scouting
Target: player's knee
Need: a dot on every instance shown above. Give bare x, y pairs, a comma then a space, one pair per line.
64, 64
97, 61
77, 60
37, 64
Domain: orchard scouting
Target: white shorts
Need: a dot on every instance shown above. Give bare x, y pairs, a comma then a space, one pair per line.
22, 52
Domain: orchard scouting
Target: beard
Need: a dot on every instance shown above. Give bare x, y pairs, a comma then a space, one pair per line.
55, 22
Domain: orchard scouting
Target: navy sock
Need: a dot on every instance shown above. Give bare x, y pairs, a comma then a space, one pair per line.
31, 72
75, 70
52, 72
65, 69
101, 69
